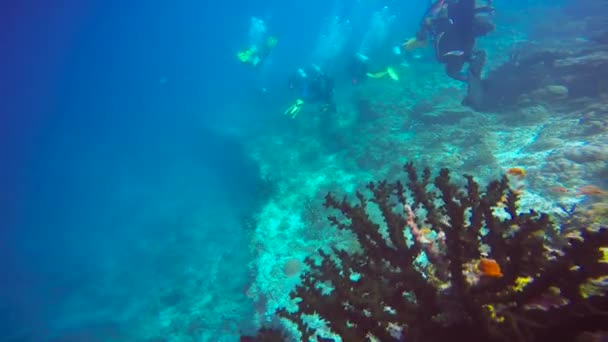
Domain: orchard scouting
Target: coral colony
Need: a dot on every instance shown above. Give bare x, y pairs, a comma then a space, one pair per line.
441, 262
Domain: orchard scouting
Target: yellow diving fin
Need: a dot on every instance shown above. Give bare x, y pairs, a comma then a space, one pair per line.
413, 44
379, 74
390, 72
294, 109
245, 55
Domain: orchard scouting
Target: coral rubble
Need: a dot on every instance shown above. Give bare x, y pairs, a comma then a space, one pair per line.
449, 263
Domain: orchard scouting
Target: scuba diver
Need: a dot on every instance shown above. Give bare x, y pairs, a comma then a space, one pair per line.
357, 68
257, 54
260, 44
453, 27
312, 86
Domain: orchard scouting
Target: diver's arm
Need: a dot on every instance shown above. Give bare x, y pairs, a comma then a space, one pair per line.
420, 39
422, 35
425, 27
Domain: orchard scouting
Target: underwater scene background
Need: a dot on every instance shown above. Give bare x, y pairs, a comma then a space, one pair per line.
160, 184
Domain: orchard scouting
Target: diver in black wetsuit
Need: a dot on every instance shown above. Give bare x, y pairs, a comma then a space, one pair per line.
453, 27
311, 86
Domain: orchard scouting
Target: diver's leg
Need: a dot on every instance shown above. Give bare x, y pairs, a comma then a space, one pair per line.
478, 60
475, 93
482, 26
453, 68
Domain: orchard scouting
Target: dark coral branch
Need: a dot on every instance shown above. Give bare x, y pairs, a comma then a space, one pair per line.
420, 195
386, 293
395, 222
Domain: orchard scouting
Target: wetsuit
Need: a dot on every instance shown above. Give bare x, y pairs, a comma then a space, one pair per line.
454, 26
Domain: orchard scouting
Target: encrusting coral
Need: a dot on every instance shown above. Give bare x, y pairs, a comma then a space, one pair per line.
479, 270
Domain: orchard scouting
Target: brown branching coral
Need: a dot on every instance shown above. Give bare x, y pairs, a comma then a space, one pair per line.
548, 285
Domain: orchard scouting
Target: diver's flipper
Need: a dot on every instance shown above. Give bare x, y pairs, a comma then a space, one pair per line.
377, 74
294, 109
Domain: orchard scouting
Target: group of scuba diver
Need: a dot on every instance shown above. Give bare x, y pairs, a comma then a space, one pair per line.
450, 26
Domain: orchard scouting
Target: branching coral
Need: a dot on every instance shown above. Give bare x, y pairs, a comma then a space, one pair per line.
544, 284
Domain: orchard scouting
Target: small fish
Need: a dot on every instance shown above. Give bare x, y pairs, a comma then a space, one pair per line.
454, 53
489, 268
559, 189
591, 190
516, 171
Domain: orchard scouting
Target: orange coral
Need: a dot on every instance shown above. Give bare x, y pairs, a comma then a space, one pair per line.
489, 268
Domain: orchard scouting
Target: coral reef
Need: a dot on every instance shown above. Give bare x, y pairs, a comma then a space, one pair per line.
546, 114
548, 73
443, 263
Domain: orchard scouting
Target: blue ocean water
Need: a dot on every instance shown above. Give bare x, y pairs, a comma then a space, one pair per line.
132, 180
107, 158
